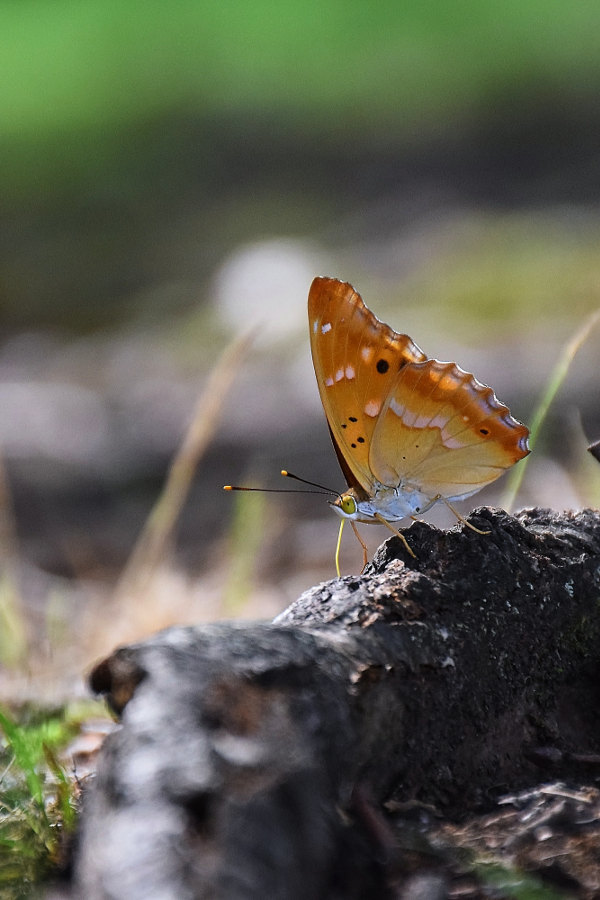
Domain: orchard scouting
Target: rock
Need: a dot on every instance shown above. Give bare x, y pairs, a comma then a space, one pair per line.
253, 760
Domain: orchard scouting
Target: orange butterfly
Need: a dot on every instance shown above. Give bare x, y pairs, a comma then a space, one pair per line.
407, 430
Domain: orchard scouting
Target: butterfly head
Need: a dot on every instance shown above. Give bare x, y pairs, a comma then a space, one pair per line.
346, 505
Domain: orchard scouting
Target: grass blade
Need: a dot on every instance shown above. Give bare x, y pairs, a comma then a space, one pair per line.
557, 376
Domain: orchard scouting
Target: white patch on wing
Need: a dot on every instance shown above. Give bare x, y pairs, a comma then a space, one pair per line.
397, 408
453, 443
421, 422
372, 408
315, 326
367, 354
349, 373
326, 327
328, 382
439, 421
339, 374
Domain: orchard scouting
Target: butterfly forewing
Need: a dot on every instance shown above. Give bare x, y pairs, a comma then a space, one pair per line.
356, 359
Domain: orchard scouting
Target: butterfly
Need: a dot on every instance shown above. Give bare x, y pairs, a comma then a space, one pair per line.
408, 430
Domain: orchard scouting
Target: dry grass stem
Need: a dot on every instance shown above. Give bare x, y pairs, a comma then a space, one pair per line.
151, 545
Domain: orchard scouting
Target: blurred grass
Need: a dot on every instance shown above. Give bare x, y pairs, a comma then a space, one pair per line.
153, 543
14, 645
13, 625
38, 799
246, 535
77, 77
556, 379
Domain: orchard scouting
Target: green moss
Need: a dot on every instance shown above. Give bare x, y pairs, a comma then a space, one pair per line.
37, 797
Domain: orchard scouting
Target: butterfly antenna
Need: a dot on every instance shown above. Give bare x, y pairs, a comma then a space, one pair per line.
235, 487
321, 487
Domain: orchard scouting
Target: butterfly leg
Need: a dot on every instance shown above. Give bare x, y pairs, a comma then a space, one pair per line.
424, 509
362, 544
462, 518
396, 532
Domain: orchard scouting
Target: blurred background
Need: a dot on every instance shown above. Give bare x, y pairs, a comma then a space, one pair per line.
176, 174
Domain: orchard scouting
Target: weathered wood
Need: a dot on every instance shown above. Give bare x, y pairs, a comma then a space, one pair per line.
253, 758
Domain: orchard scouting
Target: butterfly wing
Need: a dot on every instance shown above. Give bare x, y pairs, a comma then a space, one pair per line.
396, 417
444, 433
356, 359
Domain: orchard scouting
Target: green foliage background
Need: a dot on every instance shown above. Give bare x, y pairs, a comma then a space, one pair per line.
77, 77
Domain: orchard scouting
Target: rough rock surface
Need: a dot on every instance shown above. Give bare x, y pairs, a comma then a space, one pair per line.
285, 760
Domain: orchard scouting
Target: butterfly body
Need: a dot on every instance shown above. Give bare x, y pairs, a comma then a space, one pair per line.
407, 430
392, 503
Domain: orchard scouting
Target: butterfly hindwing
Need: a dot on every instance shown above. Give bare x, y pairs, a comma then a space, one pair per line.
444, 432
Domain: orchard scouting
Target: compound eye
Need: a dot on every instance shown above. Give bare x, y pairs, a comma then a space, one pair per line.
348, 504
